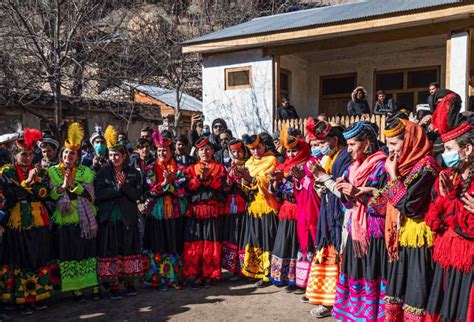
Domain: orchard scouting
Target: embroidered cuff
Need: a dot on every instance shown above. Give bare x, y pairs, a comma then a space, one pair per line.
25, 185
396, 192
78, 190
55, 194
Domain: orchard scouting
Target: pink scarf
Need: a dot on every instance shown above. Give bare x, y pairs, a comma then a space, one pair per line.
358, 176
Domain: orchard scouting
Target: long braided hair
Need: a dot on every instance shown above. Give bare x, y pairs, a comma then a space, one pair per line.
462, 141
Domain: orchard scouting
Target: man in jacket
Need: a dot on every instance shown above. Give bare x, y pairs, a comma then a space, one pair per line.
384, 106
287, 111
358, 105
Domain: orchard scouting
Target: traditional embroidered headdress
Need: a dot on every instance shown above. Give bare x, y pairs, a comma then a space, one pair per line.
75, 135
159, 140
111, 137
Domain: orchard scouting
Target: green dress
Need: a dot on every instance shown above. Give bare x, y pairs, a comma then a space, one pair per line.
75, 229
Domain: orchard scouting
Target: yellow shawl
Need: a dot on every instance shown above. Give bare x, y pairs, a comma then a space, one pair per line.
260, 169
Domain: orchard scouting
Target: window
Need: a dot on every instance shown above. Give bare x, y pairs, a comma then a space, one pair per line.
390, 81
238, 78
337, 85
285, 82
335, 92
407, 87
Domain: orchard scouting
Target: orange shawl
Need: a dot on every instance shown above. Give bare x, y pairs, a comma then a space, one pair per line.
416, 146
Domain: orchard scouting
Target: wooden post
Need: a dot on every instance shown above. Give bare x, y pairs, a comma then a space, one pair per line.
276, 86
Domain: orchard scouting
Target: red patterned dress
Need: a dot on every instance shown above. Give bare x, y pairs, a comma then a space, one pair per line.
202, 248
452, 292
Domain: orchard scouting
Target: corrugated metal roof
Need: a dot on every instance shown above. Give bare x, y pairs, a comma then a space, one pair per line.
321, 16
168, 96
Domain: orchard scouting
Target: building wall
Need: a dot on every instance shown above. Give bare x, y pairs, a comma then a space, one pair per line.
11, 115
364, 60
248, 110
298, 84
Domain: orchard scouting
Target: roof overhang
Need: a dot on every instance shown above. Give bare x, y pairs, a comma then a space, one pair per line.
431, 17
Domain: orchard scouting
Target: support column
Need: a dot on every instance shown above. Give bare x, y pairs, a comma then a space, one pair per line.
458, 48
276, 89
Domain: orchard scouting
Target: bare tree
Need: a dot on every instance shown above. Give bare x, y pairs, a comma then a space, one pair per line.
50, 40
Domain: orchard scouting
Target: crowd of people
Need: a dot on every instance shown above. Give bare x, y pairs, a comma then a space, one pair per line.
361, 229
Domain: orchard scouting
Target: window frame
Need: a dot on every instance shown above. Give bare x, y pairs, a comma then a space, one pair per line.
237, 69
405, 89
335, 76
287, 92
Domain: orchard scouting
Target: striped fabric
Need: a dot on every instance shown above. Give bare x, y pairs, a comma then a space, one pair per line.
322, 282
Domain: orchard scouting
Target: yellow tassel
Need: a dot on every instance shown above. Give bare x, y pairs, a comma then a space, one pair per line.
259, 207
415, 233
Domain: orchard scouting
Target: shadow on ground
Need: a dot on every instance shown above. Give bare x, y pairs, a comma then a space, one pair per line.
225, 301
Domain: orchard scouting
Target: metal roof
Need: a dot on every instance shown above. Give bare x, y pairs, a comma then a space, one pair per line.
168, 96
321, 16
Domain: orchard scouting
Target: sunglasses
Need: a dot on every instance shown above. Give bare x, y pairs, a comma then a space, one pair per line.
218, 126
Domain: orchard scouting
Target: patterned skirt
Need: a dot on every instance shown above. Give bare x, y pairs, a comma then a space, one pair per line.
232, 242
163, 245
259, 238
408, 284
362, 283
202, 249
451, 296
25, 276
284, 254
119, 255
323, 277
76, 258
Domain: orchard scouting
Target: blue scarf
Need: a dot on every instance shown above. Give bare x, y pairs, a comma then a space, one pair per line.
331, 214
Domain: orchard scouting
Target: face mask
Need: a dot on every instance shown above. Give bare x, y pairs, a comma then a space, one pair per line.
326, 150
99, 148
316, 151
206, 131
451, 159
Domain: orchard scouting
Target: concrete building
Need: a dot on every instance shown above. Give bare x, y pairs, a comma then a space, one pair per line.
317, 57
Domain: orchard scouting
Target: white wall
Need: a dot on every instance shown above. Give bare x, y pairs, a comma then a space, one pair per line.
245, 110
369, 58
298, 84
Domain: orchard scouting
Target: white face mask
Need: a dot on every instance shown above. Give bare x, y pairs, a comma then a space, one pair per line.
326, 150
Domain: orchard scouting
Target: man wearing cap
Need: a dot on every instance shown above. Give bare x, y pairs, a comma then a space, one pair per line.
100, 149
6, 141
49, 150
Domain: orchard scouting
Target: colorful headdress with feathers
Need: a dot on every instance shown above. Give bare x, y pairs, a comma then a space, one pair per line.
252, 141
29, 139
159, 140
447, 119
111, 137
202, 142
310, 128
286, 140
75, 135
317, 131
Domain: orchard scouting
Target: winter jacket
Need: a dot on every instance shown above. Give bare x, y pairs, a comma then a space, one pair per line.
387, 107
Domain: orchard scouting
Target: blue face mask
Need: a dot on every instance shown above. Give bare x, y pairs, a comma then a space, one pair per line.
451, 159
99, 148
326, 150
206, 130
316, 151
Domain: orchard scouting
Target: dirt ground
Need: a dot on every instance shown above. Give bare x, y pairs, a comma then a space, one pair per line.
226, 301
